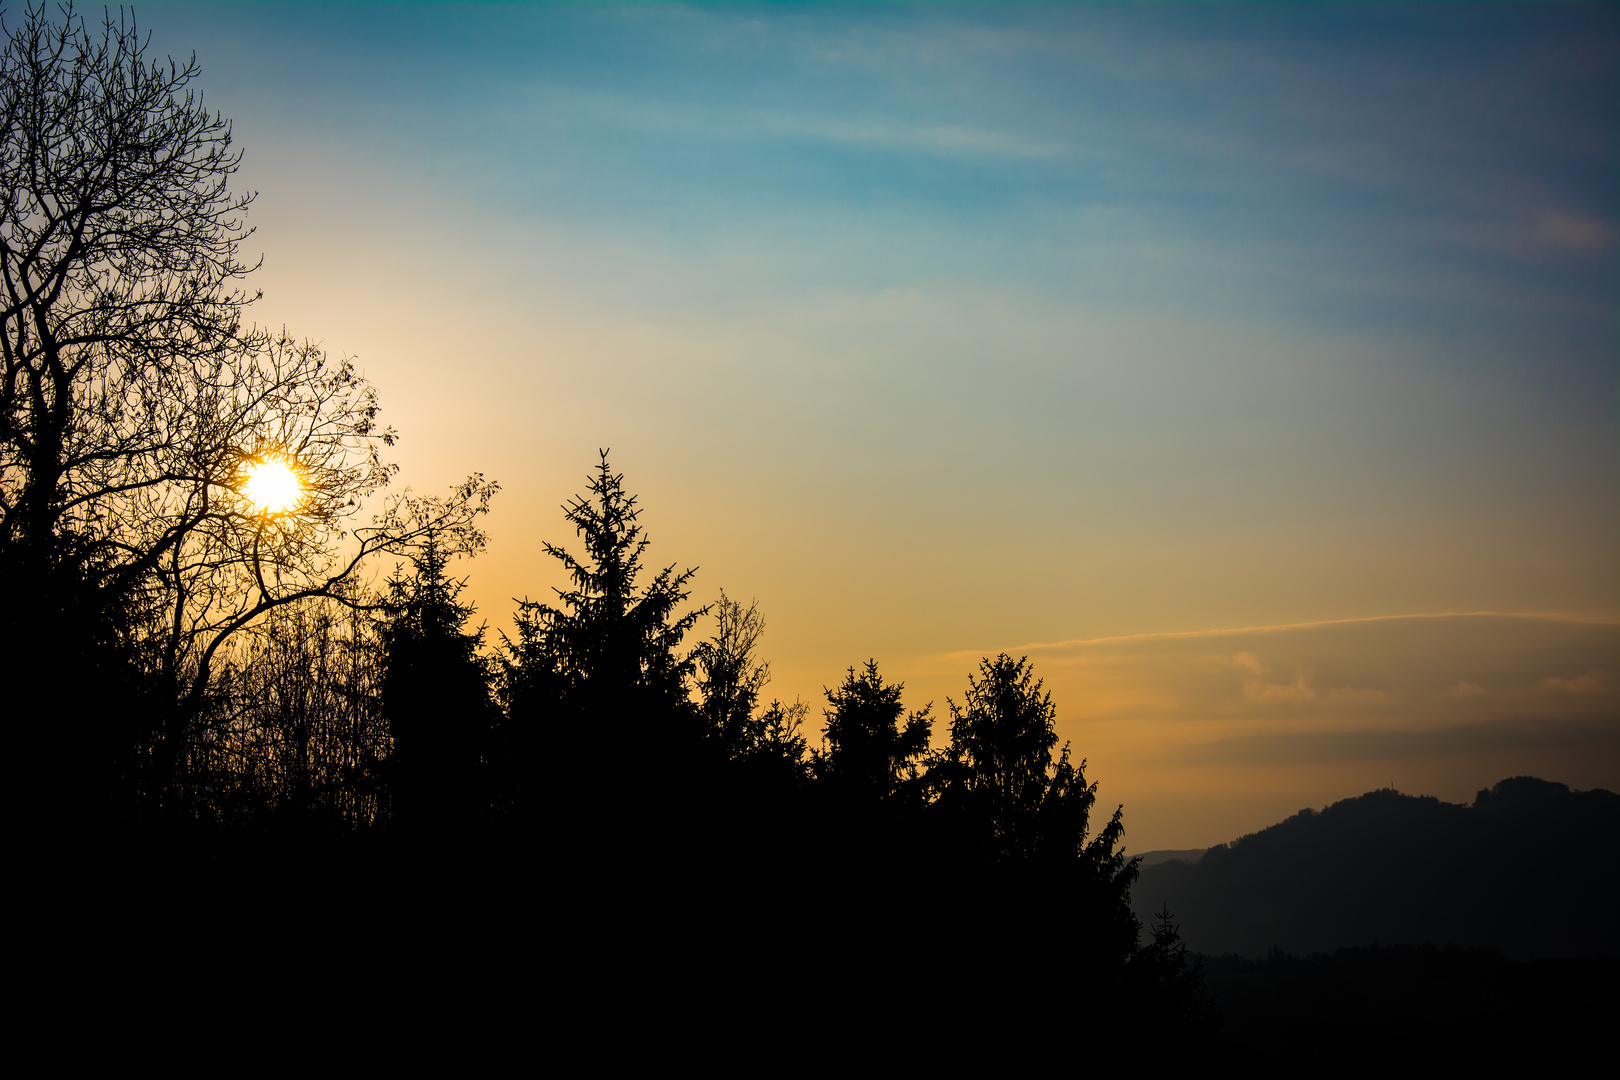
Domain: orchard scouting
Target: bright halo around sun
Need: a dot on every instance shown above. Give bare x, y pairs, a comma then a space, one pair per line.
273, 486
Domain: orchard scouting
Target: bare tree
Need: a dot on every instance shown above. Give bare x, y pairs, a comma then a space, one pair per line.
729, 678
119, 269
135, 406
293, 727
226, 559
729, 674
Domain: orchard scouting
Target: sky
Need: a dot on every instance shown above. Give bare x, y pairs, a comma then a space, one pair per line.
1253, 369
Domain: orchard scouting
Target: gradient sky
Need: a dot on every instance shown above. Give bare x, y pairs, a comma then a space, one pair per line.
1182, 348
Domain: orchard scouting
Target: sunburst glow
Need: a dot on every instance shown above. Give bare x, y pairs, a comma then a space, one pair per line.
273, 486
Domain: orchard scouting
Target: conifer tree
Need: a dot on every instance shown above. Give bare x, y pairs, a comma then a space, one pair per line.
1173, 981
1006, 804
999, 783
997, 770
595, 685
869, 754
436, 700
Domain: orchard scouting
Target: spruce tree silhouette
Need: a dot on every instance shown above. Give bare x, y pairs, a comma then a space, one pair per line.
1173, 981
869, 756
436, 700
996, 775
1009, 800
1017, 822
595, 686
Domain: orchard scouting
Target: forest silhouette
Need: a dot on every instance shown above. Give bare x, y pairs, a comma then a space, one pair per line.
230, 710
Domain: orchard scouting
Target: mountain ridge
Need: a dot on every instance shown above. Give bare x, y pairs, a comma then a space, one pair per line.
1531, 868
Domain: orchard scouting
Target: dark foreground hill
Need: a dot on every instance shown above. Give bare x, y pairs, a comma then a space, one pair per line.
1530, 869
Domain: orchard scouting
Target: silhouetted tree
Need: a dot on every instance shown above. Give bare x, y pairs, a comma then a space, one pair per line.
868, 754
997, 774
729, 678
535, 731
728, 675
118, 236
595, 686
134, 404
118, 239
775, 742
1015, 824
1173, 982
232, 562
294, 738
436, 700
1005, 795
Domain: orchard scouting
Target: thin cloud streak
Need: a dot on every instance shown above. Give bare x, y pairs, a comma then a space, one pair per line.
1170, 635
1206, 734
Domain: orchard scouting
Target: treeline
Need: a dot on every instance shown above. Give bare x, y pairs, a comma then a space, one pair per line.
391, 711
600, 743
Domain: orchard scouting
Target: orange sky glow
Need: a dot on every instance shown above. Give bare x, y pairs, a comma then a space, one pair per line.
1087, 334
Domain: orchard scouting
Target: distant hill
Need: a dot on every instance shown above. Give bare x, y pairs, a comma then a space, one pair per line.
1188, 855
1531, 869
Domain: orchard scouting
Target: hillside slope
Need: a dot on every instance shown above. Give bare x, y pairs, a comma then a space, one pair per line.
1531, 868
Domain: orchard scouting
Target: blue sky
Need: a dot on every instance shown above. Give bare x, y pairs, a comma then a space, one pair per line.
1419, 167
943, 329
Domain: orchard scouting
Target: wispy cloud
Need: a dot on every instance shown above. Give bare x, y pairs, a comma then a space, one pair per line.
1283, 628
1593, 682
1447, 701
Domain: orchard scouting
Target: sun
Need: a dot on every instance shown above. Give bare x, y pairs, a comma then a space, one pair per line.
273, 486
